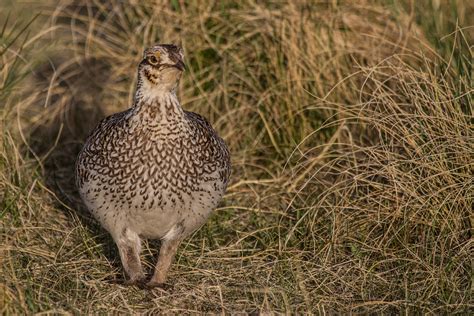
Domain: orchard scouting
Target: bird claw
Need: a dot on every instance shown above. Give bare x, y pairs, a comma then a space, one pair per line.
140, 282
151, 285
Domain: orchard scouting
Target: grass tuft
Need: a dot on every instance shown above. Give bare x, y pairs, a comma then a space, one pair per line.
350, 127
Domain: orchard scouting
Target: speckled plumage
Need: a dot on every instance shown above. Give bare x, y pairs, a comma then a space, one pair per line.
154, 170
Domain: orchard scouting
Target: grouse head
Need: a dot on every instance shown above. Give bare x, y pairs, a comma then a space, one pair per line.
161, 67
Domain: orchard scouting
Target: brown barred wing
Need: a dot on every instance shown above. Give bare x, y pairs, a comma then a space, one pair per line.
95, 151
211, 145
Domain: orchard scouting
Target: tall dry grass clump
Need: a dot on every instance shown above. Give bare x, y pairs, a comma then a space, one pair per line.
393, 194
350, 127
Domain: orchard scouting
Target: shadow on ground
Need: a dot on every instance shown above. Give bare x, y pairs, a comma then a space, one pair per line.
73, 93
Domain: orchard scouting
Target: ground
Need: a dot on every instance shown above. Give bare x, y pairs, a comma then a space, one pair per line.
350, 129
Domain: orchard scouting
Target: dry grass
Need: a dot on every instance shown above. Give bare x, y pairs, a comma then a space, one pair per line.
350, 127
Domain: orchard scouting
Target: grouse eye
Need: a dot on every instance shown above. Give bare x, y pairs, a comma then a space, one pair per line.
152, 60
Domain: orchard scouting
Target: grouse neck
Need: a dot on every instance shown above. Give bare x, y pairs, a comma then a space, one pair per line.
162, 106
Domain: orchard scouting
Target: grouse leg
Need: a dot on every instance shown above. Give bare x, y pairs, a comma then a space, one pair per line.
129, 245
167, 253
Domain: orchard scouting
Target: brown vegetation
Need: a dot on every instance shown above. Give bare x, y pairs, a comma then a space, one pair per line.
350, 127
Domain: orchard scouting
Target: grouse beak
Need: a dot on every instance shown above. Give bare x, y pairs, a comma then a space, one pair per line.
180, 65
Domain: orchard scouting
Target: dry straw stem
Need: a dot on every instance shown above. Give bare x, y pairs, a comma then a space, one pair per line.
350, 126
